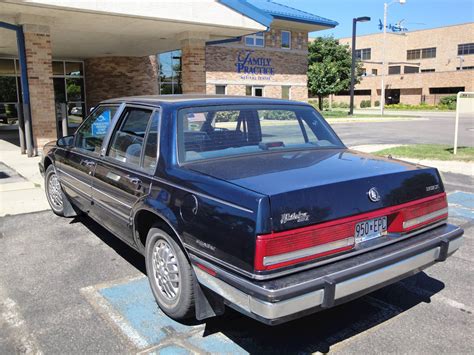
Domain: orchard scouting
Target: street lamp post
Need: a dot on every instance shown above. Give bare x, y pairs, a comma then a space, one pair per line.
382, 91
354, 26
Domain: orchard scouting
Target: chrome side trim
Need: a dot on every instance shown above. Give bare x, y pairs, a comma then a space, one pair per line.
203, 195
387, 273
78, 190
73, 177
219, 261
424, 218
113, 210
318, 249
111, 197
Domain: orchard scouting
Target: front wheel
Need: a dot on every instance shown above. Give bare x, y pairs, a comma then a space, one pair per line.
170, 275
54, 192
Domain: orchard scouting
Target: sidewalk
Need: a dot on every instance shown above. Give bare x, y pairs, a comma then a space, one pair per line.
21, 184
456, 167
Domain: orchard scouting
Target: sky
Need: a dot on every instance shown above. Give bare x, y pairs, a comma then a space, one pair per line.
418, 14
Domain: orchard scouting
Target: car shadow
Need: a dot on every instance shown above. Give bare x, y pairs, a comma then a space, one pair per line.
133, 257
317, 332
321, 331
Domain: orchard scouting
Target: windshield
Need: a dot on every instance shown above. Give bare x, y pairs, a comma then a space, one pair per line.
235, 130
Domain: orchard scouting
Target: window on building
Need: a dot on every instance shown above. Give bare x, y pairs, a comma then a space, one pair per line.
394, 69
221, 89
413, 54
10, 91
169, 78
366, 92
286, 39
446, 90
285, 92
470, 67
255, 40
363, 54
363, 71
69, 89
410, 70
428, 53
374, 72
427, 70
466, 49
423, 53
254, 90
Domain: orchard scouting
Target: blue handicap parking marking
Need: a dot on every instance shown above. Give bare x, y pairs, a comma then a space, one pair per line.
461, 205
134, 301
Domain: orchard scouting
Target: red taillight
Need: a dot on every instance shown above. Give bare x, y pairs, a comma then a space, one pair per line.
285, 248
281, 249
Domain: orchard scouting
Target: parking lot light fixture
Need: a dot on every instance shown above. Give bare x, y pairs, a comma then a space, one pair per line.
354, 25
382, 89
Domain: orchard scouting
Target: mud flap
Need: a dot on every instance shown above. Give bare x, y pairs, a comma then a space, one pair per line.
207, 303
68, 208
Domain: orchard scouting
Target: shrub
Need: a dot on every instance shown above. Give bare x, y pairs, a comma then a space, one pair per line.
227, 116
365, 103
377, 103
448, 100
342, 105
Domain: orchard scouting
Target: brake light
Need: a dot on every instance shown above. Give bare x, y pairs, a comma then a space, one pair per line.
286, 248
421, 213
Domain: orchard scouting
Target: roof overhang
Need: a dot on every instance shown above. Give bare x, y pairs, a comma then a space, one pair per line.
89, 28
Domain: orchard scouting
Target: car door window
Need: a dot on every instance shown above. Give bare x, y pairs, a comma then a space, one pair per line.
127, 141
91, 134
151, 145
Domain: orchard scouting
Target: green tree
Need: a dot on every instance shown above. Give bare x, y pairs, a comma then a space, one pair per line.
329, 67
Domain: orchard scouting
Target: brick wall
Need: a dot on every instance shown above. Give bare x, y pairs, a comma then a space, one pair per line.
109, 77
289, 66
193, 66
40, 73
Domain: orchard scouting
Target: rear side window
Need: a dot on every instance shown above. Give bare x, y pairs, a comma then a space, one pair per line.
216, 132
91, 134
127, 142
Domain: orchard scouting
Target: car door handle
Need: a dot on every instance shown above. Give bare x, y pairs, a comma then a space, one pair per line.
134, 180
88, 163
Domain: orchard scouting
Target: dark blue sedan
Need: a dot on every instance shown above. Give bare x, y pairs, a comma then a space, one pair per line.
250, 203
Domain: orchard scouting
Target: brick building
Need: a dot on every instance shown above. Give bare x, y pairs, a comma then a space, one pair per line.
60, 58
422, 66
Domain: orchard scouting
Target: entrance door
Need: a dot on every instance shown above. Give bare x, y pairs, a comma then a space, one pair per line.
257, 91
392, 96
124, 174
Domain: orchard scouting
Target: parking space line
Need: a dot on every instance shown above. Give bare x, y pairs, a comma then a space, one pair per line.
108, 312
14, 325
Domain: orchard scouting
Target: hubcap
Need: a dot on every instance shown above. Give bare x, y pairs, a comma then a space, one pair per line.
54, 192
166, 271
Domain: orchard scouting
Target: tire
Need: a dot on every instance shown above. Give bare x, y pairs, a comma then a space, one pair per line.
174, 294
54, 192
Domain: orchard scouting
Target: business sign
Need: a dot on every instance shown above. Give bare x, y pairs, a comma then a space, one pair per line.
252, 67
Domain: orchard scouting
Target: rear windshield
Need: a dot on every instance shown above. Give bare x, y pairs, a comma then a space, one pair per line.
216, 131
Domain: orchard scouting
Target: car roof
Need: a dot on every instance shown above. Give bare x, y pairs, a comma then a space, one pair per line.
199, 100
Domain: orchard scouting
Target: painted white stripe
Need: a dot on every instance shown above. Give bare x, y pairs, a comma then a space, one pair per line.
12, 323
106, 309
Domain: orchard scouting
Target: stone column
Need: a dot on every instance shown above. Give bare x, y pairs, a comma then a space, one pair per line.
193, 62
40, 80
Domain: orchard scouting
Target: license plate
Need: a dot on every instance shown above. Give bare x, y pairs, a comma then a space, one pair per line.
370, 229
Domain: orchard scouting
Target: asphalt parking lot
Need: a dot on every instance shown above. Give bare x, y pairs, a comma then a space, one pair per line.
68, 286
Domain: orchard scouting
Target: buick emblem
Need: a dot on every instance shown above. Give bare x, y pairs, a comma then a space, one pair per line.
373, 194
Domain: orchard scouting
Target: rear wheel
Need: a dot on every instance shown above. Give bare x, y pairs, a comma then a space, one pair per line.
170, 275
54, 192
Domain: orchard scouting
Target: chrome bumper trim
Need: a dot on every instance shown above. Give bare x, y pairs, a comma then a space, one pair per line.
274, 310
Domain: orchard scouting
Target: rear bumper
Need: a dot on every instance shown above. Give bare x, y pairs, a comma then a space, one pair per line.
293, 296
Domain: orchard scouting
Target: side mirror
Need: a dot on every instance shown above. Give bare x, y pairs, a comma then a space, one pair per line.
65, 142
